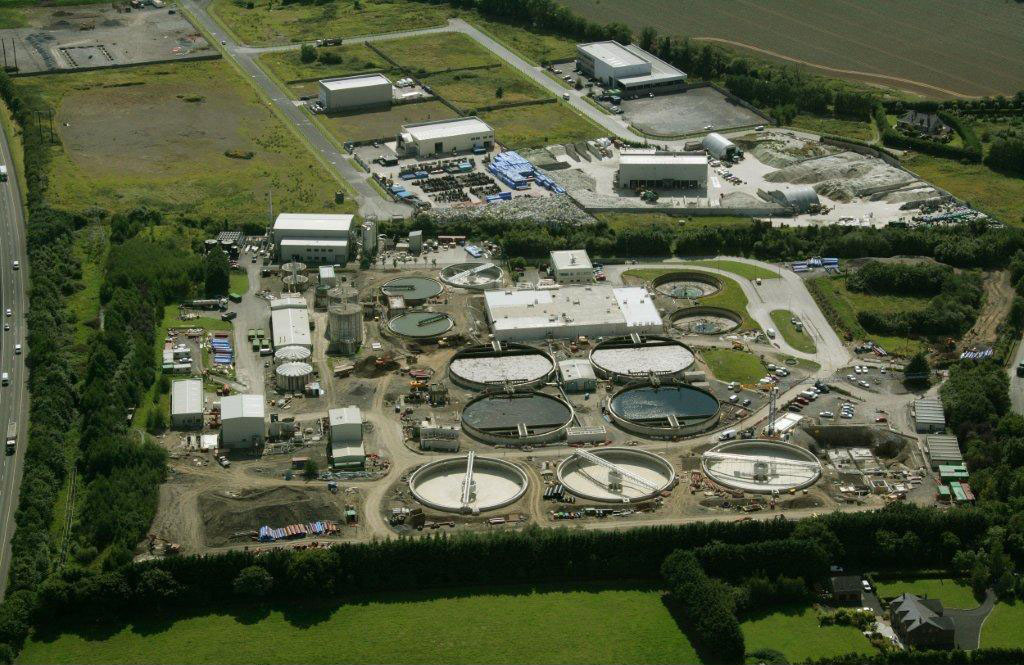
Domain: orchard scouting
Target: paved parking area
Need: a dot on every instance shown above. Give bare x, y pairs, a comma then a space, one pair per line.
687, 112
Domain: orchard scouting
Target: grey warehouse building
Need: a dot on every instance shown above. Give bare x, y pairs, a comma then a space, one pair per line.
929, 416
666, 170
187, 404
353, 92
628, 68
445, 136
314, 239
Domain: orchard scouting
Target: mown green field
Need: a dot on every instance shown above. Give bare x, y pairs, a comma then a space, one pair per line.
831, 292
730, 297
945, 47
437, 52
952, 593
863, 131
795, 632
189, 138
271, 23
540, 125
1002, 628
520, 625
999, 195
729, 365
355, 59
740, 268
799, 340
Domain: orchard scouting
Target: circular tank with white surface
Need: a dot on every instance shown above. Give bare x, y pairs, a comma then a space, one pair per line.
630, 359
761, 466
472, 276
616, 475
501, 364
493, 483
292, 377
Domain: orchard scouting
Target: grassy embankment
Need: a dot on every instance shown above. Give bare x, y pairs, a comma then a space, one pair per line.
730, 365
799, 340
730, 297
833, 296
952, 593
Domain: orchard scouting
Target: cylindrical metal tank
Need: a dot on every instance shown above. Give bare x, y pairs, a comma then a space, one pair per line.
342, 294
345, 323
291, 354
293, 377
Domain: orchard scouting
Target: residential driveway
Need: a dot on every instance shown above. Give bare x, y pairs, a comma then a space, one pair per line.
968, 623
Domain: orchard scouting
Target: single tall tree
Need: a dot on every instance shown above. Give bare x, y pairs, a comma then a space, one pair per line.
217, 273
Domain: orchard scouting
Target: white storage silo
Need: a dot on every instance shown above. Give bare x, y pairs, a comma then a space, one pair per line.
292, 377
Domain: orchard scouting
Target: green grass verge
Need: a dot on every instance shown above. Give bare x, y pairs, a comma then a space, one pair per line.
479, 626
216, 152
841, 305
271, 23
740, 268
730, 297
12, 17
531, 45
355, 59
90, 248
729, 365
540, 125
381, 123
238, 282
1002, 628
952, 593
438, 52
999, 195
795, 632
862, 131
801, 341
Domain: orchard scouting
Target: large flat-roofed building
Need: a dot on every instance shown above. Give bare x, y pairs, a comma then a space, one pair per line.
353, 92
241, 418
289, 323
187, 404
943, 450
346, 437
572, 266
593, 311
628, 68
641, 169
929, 416
445, 136
314, 239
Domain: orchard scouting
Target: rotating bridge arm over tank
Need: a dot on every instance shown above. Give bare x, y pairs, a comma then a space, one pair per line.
469, 273
774, 461
467, 481
594, 459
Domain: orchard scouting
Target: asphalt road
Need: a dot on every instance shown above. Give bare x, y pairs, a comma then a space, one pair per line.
14, 397
1017, 383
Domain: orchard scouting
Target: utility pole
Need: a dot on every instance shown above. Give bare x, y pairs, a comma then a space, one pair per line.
51, 127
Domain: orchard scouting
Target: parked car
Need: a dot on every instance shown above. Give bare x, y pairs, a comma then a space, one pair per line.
827, 414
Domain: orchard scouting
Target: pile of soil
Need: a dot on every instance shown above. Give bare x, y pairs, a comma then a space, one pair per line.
226, 514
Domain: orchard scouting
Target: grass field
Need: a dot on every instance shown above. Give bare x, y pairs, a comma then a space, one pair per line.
540, 125
1003, 627
952, 593
941, 47
991, 192
729, 365
740, 268
438, 52
532, 45
158, 136
801, 341
731, 295
479, 88
239, 282
270, 22
381, 123
90, 248
518, 625
355, 58
796, 633
863, 131
831, 292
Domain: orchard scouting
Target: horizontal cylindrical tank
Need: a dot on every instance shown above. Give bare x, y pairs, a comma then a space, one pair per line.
293, 377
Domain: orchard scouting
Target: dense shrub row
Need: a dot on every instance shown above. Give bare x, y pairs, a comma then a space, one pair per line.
895, 139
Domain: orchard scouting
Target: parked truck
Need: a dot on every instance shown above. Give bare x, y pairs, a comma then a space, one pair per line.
12, 437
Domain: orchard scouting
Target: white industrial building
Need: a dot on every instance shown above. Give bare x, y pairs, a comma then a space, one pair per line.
314, 239
577, 375
445, 136
289, 323
572, 266
592, 311
444, 438
241, 421
354, 92
628, 68
328, 277
346, 437
929, 416
187, 404
655, 169
720, 147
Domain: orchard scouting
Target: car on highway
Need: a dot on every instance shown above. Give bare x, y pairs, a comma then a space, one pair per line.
16, 265
7, 312
7, 326
17, 349
565, 96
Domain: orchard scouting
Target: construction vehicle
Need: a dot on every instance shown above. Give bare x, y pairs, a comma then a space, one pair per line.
162, 546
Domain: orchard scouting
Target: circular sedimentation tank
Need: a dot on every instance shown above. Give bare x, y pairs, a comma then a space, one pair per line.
761, 466
293, 267
626, 358
624, 475
441, 485
421, 325
296, 280
504, 364
293, 376
415, 290
689, 284
287, 354
523, 418
664, 411
705, 320
472, 276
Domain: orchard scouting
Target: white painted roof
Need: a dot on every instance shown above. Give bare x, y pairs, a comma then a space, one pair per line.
187, 396
567, 259
290, 327
327, 272
346, 415
612, 53
292, 221
428, 131
241, 406
579, 305
662, 158
575, 369
358, 81
660, 70
288, 302
637, 307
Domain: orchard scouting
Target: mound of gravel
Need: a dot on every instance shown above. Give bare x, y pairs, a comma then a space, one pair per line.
553, 210
780, 151
845, 176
